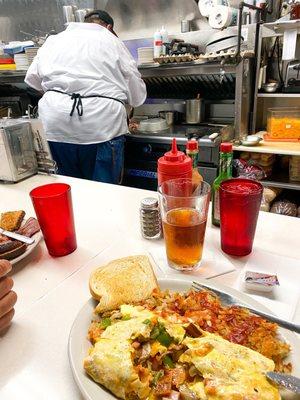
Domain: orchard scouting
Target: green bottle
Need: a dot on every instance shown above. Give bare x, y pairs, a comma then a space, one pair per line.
225, 172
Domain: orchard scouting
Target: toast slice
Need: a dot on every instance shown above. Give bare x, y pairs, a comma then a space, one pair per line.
11, 220
126, 280
11, 249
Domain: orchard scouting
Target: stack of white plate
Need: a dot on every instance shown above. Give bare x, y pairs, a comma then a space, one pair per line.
31, 53
153, 125
21, 61
145, 55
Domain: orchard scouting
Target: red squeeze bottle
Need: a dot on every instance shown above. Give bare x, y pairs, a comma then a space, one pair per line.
174, 164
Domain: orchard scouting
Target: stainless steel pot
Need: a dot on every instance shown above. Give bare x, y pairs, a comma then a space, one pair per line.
193, 111
168, 116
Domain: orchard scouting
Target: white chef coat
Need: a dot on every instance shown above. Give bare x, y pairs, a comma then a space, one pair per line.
88, 59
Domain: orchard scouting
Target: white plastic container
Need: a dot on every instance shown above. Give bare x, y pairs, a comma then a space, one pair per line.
221, 17
157, 44
164, 38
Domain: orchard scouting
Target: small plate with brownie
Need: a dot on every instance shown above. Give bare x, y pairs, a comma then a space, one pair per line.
14, 221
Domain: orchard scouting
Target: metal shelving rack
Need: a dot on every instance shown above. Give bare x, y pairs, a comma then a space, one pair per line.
279, 95
281, 180
7, 77
270, 30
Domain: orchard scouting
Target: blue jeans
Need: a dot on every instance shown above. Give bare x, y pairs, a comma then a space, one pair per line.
102, 162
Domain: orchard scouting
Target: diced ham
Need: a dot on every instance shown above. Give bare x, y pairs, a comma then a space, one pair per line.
173, 396
164, 386
178, 376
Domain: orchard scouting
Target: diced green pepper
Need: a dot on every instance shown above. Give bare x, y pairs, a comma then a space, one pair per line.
147, 322
157, 377
105, 322
126, 317
161, 335
164, 338
167, 360
155, 332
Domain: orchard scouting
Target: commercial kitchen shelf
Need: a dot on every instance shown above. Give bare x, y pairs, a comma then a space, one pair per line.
279, 95
12, 76
284, 148
188, 69
271, 29
281, 180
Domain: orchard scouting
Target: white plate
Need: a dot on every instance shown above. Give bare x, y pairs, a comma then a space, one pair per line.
37, 238
78, 344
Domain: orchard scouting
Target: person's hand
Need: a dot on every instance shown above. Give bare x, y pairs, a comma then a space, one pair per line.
8, 298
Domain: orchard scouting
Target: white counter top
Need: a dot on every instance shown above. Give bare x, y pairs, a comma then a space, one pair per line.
34, 361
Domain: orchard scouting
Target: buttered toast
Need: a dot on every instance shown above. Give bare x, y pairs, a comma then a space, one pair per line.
11, 220
126, 280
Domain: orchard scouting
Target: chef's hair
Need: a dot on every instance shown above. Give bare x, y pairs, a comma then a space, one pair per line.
95, 19
99, 17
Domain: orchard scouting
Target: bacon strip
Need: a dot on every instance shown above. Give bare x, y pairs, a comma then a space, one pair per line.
29, 228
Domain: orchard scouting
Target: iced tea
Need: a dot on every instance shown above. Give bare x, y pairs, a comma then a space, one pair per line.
184, 231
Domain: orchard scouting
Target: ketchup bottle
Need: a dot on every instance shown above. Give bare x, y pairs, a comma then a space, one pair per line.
174, 164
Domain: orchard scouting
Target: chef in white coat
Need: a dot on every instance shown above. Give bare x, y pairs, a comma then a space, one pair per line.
87, 76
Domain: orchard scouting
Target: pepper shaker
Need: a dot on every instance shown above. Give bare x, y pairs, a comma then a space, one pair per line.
150, 218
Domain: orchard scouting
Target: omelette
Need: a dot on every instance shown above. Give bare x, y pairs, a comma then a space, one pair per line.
138, 354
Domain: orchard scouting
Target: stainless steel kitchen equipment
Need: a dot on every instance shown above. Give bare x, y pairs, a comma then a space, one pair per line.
193, 111
273, 38
168, 116
292, 78
18, 159
225, 88
185, 25
143, 150
270, 87
69, 14
81, 13
24, 149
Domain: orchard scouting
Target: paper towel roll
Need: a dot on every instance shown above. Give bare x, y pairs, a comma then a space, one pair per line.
222, 17
206, 5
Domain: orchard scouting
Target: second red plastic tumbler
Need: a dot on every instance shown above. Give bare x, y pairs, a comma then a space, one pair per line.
239, 208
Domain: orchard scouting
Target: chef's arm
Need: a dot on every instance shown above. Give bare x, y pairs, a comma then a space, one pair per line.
137, 92
33, 78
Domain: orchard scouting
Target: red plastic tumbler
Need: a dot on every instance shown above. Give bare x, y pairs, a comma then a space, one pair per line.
54, 211
239, 207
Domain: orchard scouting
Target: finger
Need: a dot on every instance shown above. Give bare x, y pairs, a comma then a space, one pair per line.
6, 285
5, 267
7, 303
6, 320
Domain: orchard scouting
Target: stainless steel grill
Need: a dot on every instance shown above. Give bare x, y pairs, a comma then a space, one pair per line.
214, 82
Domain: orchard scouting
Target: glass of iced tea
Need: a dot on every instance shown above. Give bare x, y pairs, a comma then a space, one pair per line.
184, 208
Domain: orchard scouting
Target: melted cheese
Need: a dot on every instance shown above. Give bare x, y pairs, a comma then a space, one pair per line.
135, 311
175, 330
109, 363
231, 371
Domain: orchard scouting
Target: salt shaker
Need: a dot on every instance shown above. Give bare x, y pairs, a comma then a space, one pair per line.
150, 218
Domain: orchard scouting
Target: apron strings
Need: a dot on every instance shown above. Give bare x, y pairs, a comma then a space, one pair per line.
77, 100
